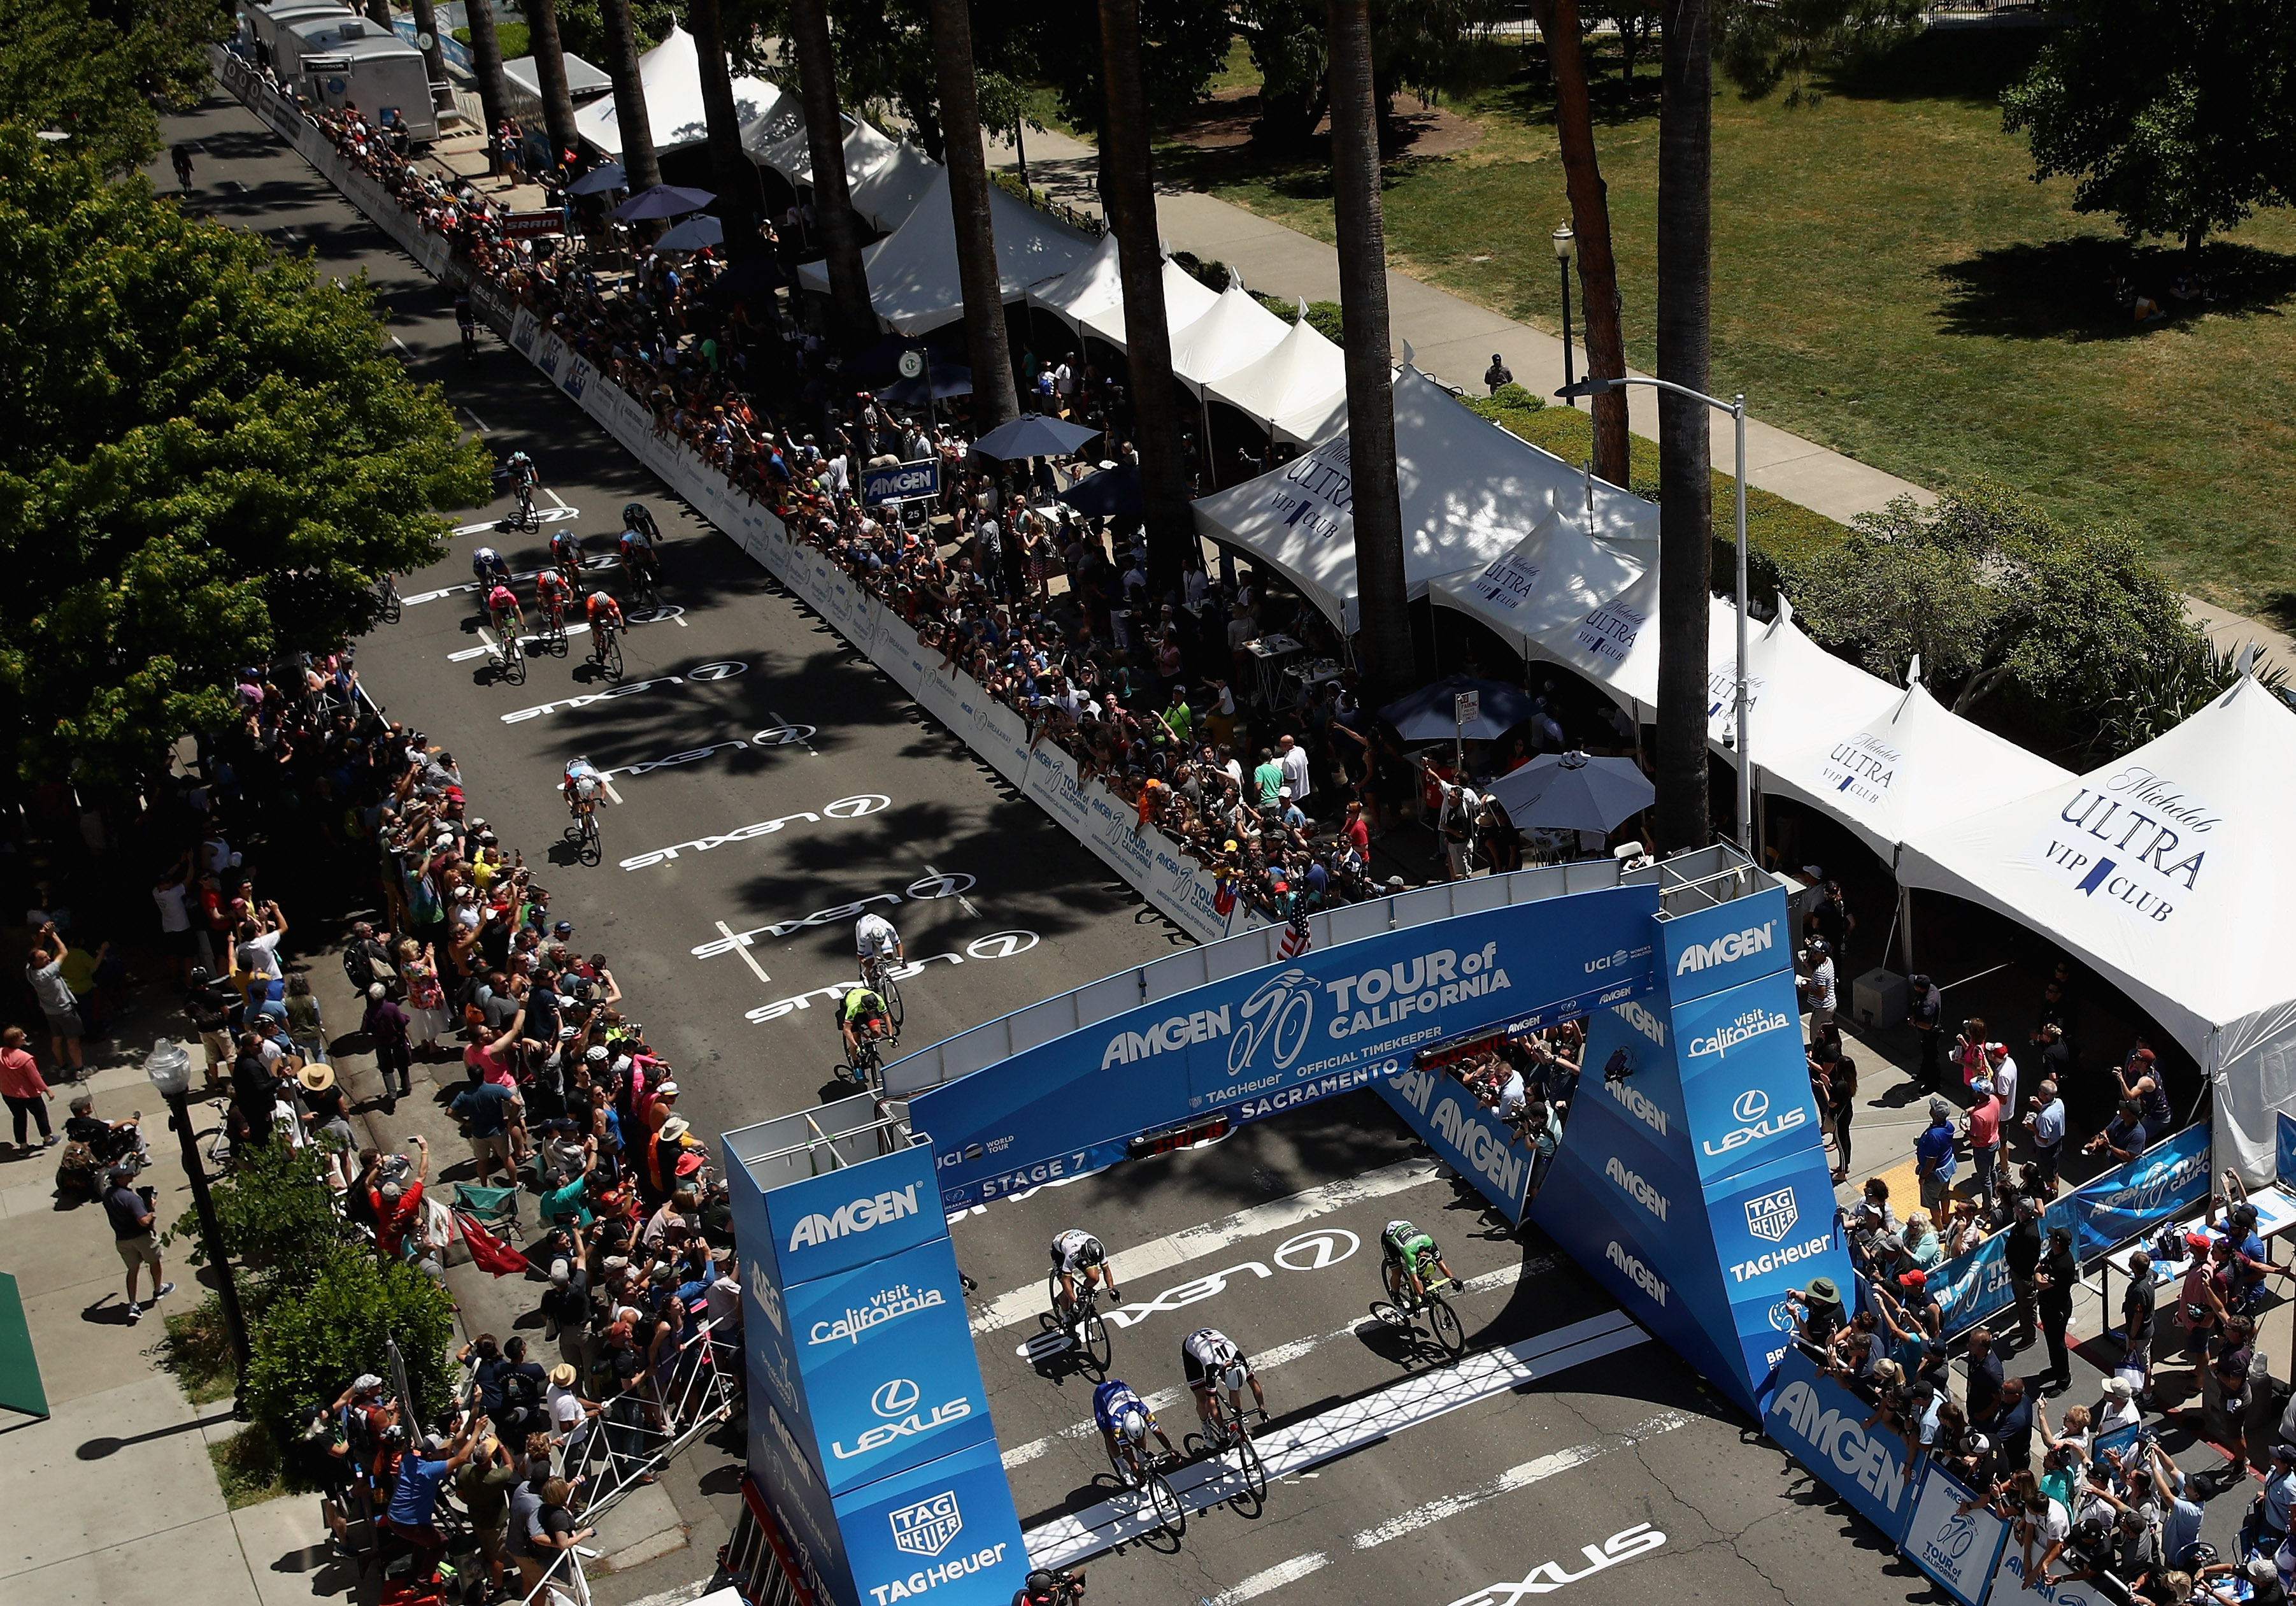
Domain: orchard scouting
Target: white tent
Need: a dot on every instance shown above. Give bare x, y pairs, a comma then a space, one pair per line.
1313, 423
784, 143
1469, 492
1914, 766
671, 73
2172, 873
779, 142
1186, 300
1614, 643
913, 280
1302, 370
1793, 686
1092, 286
1234, 332
896, 180
1551, 580
582, 79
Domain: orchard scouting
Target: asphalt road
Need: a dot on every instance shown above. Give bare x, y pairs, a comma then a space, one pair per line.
1559, 1432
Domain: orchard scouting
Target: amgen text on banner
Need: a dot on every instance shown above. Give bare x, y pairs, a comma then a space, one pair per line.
1819, 1421
899, 484
847, 1218
1721, 947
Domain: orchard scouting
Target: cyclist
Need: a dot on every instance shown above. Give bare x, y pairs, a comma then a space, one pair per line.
638, 555
566, 553
1210, 1358
1050, 1588
510, 619
183, 160
1121, 1412
605, 619
874, 941
1406, 1251
582, 783
466, 319
487, 564
636, 515
861, 1019
552, 593
1079, 1253
523, 478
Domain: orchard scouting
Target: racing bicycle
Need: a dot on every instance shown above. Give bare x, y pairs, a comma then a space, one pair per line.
867, 1071
524, 516
640, 576
1138, 1470
583, 831
606, 649
552, 634
1403, 1304
878, 977
1080, 1319
388, 606
1231, 1431
510, 659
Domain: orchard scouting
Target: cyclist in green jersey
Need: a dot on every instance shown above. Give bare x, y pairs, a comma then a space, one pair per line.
1407, 1252
861, 1019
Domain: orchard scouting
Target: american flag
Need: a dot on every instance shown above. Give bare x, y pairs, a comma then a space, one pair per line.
1295, 936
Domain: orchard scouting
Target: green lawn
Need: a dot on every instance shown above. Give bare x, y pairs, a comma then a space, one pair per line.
1888, 280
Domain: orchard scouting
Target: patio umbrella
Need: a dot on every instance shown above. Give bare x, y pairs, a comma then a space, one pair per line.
756, 276
1031, 436
1111, 493
1571, 792
1425, 715
662, 200
693, 235
599, 179
948, 379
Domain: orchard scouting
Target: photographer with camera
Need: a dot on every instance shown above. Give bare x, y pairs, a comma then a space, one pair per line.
132, 1213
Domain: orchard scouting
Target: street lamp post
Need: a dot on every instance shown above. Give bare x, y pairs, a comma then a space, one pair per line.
169, 1068
1736, 408
1566, 246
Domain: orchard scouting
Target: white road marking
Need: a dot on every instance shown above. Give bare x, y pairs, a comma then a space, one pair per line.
785, 725
474, 418
1522, 1477
1407, 1402
1277, 1354
743, 949
1275, 1577
1209, 1237
533, 639
400, 344
493, 649
615, 797
963, 901
555, 498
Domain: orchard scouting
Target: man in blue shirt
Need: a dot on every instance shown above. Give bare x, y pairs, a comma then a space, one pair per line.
414, 1497
490, 1108
1933, 1158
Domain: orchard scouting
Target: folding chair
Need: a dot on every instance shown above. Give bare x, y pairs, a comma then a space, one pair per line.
494, 1208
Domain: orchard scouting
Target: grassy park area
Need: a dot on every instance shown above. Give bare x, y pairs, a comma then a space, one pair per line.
1890, 282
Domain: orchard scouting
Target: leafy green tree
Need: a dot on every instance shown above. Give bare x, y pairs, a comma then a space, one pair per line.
206, 458
96, 72
279, 1226
1428, 47
316, 1340
1997, 598
2177, 117
1761, 43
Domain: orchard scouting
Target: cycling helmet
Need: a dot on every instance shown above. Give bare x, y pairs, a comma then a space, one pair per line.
1090, 1252
485, 557
517, 458
1234, 1377
1134, 1425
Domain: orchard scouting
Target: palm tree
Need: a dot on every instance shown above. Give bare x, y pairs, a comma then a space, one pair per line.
1128, 188
426, 26
994, 399
833, 201
1590, 221
1685, 152
640, 165
487, 67
736, 179
550, 72
1384, 646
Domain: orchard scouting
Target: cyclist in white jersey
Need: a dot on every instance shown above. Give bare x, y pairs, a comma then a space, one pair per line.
1210, 1358
875, 940
1078, 1255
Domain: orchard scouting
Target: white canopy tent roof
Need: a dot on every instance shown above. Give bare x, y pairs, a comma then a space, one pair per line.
1313, 423
1793, 685
782, 143
1614, 642
1302, 370
1469, 493
2171, 872
671, 73
1186, 300
1549, 582
1234, 332
1092, 286
582, 79
912, 279
1914, 766
896, 179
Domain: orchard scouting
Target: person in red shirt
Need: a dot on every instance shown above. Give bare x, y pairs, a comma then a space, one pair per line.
1985, 1137
1358, 833
491, 1060
26, 1091
397, 1209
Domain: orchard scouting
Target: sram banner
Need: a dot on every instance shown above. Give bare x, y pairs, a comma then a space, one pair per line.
1283, 1035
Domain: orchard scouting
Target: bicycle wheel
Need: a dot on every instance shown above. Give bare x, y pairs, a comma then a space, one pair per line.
1250, 1464
593, 849
614, 655
1448, 1332
513, 662
1093, 1333
1063, 1310
890, 991
387, 594
1170, 1515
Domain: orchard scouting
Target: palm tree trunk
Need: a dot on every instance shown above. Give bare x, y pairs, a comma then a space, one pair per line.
640, 165
736, 179
378, 11
1590, 221
1129, 192
995, 399
486, 66
434, 59
550, 72
1384, 647
1686, 151
832, 201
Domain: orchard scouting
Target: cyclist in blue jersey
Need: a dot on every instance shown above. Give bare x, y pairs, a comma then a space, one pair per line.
1122, 1416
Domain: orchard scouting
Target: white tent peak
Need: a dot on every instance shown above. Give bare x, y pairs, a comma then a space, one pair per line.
1234, 332
1300, 371
1186, 299
1092, 286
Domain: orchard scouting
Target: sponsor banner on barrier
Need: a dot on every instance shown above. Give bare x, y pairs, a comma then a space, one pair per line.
2160, 1184
778, 1461
1470, 1139
1361, 1005
2009, 1586
524, 329
764, 1317
1817, 1422
1724, 947
1958, 1549
2284, 1151
845, 1218
885, 1354
945, 1532
1973, 1286
1746, 1079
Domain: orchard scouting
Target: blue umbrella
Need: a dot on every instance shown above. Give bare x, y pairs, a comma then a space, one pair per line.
948, 379
1571, 792
693, 234
1425, 715
598, 180
1030, 436
662, 200
1111, 493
